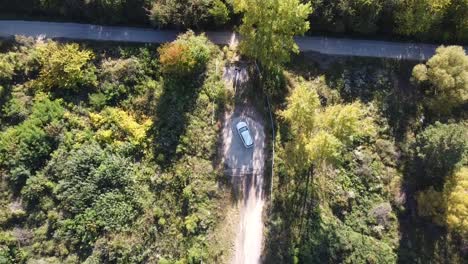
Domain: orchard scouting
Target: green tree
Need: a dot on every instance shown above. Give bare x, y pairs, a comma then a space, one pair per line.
25, 148
188, 13
445, 77
416, 17
7, 68
86, 172
320, 132
347, 122
65, 66
219, 12
111, 212
439, 149
303, 104
268, 29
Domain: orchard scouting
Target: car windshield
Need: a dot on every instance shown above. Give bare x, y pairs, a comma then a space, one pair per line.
243, 129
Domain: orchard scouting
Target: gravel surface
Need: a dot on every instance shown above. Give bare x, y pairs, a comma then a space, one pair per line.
240, 160
245, 166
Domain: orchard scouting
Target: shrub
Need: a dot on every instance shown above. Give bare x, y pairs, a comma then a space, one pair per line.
65, 66
186, 55
117, 126
26, 147
440, 148
446, 78
188, 13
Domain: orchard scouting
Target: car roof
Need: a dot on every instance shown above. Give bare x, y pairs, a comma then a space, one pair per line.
247, 138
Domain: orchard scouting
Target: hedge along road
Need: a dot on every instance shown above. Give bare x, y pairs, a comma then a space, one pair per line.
324, 45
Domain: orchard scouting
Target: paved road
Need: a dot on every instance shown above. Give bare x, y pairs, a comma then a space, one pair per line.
325, 45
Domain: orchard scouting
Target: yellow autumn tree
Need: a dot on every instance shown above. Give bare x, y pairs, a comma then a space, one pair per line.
269, 26
115, 125
347, 121
449, 207
456, 191
303, 103
321, 132
445, 78
65, 66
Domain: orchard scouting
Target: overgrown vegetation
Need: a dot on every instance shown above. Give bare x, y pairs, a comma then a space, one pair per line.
367, 170
106, 153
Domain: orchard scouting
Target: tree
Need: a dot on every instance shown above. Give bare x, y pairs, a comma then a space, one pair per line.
450, 206
432, 19
356, 15
268, 29
440, 148
445, 77
323, 147
303, 104
65, 66
416, 17
7, 68
320, 132
219, 12
456, 191
188, 13
25, 148
347, 122
186, 55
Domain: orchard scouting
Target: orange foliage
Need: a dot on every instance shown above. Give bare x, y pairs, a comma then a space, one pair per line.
175, 58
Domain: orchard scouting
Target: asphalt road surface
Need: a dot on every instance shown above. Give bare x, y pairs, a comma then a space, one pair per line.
324, 45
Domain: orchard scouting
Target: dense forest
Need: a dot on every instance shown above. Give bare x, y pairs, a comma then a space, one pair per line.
106, 151
423, 20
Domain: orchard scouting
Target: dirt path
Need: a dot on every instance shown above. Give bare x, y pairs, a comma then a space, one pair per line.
245, 167
249, 240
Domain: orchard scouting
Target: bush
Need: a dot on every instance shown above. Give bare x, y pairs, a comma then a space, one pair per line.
65, 67
116, 126
85, 173
188, 13
185, 56
26, 147
118, 80
445, 77
37, 187
439, 149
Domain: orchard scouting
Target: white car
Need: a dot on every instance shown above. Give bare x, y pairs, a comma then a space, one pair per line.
244, 134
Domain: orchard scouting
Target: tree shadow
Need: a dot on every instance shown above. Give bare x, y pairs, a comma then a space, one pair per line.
294, 222
171, 119
421, 240
424, 242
